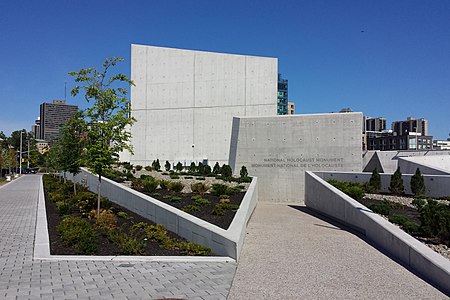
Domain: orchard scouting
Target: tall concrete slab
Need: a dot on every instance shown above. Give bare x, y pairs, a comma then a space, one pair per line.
184, 101
278, 150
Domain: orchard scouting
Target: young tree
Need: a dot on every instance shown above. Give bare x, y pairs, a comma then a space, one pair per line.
167, 166
207, 170
179, 167
243, 172
108, 119
157, 165
216, 168
396, 187
226, 171
374, 185
71, 145
417, 184
193, 167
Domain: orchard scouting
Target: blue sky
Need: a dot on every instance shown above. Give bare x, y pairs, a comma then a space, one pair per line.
384, 58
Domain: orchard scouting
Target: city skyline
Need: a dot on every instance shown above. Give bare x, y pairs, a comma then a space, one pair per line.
383, 59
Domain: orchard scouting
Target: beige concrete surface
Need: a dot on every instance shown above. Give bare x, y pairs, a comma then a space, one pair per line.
290, 254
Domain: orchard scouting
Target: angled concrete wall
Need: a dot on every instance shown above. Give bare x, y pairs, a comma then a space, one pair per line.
222, 242
278, 150
184, 101
435, 185
328, 200
436, 165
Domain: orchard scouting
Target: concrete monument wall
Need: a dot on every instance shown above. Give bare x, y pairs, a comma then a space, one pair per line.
278, 150
184, 101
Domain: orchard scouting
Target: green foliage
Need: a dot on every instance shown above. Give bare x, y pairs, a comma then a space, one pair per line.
123, 215
207, 170
63, 208
149, 184
352, 189
381, 208
179, 167
71, 144
202, 202
243, 173
175, 199
405, 223
148, 168
78, 233
201, 168
115, 175
216, 169
167, 166
108, 118
176, 186
190, 208
396, 187
156, 165
138, 167
417, 183
199, 188
164, 184
189, 248
85, 201
193, 167
435, 220
219, 209
219, 189
226, 171
174, 176
129, 245
374, 184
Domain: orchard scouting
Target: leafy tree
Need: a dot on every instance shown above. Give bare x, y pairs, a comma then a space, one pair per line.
193, 167
374, 184
53, 159
396, 187
167, 166
108, 119
243, 172
226, 171
157, 165
71, 145
216, 168
179, 167
207, 170
417, 184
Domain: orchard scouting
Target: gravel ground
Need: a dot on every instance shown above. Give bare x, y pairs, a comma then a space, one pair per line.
444, 250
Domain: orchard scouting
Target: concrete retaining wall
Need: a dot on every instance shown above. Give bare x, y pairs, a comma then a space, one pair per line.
326, 199
432, 165
436, 185
222, 242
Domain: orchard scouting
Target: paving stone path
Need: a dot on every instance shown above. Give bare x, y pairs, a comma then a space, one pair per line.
22, 277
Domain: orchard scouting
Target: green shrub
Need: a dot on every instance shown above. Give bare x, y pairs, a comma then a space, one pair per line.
190, 208
164, 184
138, 167
396, 187
62, 208
207, 170
381, 208
417, 183
219, 209
106, 219
175, 199
179, 167
435, 220
129, 176
132, 246
199, 188
189, 248
243, 173
202, 201
226, 171
156, 165
176, 186
78, 233
86, 201
167, 166
352, 189
137, 184
224, 197
219, 189
374, 184
405, 223
216, 169
444, 198
174, 176
148, 168
149, 184
123, 215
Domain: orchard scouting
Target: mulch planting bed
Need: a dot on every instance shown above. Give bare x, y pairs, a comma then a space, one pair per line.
206, 212
104, 246
403, 210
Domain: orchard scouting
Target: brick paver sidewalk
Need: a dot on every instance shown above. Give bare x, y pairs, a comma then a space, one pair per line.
21, 277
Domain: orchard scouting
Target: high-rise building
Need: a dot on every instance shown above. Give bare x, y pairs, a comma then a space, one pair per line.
53, 116
282, 99
375, 124
291, 108
410, 125
36, 129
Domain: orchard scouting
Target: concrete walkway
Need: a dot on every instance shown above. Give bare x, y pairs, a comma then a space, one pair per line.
22, 277
290, 254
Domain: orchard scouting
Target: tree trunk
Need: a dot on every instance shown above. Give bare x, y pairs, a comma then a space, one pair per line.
98, 195
74, 188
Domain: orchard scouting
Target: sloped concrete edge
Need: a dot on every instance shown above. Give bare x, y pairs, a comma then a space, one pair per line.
222, 242
328, 200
